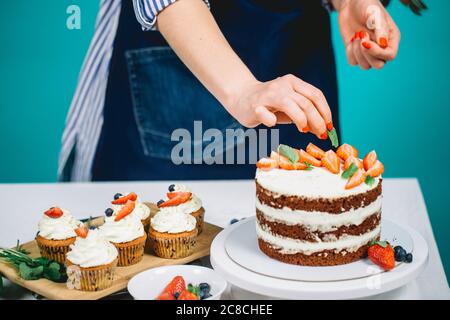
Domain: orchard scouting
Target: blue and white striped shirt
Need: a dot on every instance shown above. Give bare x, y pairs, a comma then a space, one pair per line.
85, 118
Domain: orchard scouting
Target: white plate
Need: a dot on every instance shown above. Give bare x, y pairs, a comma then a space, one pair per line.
242, 247
148, 284
294, 289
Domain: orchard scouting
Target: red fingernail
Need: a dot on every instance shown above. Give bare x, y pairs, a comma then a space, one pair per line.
383, 43
330, 126
305, 129
362, 34
324, 135
367, 45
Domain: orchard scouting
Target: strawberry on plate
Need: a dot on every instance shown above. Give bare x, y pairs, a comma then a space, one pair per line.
370, 159
165, 296
382, 254
176, 198
346, 150
82, 231
331, 161
177, 285
187, 295
315, 151
122, 200
54, 212
126, 210
356, 179
376, 170
351, 160
266, 164
306, 157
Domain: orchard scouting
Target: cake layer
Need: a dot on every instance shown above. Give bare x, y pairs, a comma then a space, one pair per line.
334, 205
319, 221
302, 232
322, 258
286, 245
316, 184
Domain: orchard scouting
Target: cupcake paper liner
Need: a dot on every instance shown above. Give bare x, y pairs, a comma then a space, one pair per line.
174, 248
90, 279
130, 252
199, 215
54, 249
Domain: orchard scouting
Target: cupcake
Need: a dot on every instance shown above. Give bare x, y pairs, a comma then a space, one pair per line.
126, 232
91, 262
141, 211
173, 233
181, 196
56, 232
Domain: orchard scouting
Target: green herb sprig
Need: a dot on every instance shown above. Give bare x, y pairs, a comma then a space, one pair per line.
309, 166
33, 269
288, 152
347, 174
332, 135
369, 180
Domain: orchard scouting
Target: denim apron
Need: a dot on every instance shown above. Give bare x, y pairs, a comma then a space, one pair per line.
151, 93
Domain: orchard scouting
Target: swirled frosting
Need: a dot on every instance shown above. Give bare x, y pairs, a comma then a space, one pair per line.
141, 211
124, 230
92, 251
193, 204
173, 220
58, 228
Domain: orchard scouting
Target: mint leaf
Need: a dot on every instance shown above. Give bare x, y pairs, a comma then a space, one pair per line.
347, 174
28, 273
194, 289
369, 180
309, 166
332, 135
288, 152
52, 272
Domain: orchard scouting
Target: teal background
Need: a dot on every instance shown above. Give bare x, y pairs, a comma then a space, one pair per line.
401, 111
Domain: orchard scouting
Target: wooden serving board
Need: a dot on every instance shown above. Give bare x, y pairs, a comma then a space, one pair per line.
59, 291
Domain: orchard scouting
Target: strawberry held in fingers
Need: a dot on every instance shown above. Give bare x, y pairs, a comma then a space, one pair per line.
346, 150
331, 161
382, 254
315, 151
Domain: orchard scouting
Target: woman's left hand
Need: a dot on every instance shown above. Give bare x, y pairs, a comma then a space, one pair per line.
370, 35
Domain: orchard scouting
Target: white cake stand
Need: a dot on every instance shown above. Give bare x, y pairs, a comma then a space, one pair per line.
236, 257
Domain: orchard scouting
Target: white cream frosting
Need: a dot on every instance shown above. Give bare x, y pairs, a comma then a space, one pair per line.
141, 211
126, 229
316, 183
173, 220
319, 221
193, 204
292, 246
58, 228
92, 251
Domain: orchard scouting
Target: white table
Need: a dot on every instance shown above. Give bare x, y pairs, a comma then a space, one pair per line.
22, 206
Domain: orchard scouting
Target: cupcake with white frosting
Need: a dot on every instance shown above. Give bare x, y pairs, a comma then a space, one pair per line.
173, 233
56, 232
140, 211
126, 232
91, 262
181, 196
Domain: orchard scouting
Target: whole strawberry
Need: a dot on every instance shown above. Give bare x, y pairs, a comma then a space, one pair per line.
382, 254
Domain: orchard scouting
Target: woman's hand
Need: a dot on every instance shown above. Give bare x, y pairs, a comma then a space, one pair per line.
284, 100
370, 35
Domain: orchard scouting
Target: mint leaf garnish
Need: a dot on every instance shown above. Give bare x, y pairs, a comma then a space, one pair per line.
347, 174
288, 152
332, 135
309, 166
369, 180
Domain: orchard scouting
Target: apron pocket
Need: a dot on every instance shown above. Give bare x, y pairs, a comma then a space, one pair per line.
166, 96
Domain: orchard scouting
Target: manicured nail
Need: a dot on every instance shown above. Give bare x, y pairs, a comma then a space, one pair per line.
362, 34
383, 43
367, 45
324, 135
330, 125
305, 129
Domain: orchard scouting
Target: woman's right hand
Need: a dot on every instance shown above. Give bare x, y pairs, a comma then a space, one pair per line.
286, 99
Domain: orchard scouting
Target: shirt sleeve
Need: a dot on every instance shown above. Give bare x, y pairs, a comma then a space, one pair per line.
147, 11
